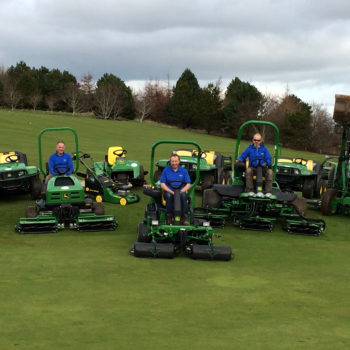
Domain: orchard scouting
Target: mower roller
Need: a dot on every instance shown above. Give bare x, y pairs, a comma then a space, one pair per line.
156, 238
102, 187
257, 210
336, 200
65, 204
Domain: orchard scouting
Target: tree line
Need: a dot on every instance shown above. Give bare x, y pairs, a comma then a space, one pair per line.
185, 105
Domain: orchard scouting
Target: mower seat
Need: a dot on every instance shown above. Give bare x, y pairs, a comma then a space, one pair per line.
284, 196
113, 154
232, 191
64, 181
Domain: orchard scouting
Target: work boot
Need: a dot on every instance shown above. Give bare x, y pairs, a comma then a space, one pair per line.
184, 220
169, 219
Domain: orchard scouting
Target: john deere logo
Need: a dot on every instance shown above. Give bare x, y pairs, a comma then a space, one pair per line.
65, 195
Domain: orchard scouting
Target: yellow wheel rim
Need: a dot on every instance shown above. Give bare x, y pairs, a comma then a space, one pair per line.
123, 201
98, 198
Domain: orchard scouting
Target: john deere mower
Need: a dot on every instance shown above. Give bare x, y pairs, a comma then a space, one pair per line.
120, 169
101, 187
17, 176
256, 210
215, 168
156, 238
336, 200
65, 204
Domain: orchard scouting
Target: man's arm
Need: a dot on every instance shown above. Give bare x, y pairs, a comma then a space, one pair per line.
244, 155
52, 165
166, 188
70, 164
185, 188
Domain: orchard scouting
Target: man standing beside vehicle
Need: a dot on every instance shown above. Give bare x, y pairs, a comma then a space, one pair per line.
174, 176
258, 155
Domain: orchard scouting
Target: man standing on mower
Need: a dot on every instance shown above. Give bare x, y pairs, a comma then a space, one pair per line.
175, 175
258, 154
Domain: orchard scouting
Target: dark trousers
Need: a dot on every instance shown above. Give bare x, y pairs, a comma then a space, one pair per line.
267, 173
170, 203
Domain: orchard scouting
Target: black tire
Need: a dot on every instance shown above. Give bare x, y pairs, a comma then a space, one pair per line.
300, 204
211, 199
326, 202
31, 211
320, 188
98, 208
228, 178
208, 181
35, 188
330, 178
142, 233
142, 173
157, 174
219, 161
308, 188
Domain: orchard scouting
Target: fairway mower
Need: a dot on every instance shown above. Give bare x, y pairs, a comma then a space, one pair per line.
215, 168
336, 200
156, 238
120, 169
16, 176
256, 210
101, 187
65, 204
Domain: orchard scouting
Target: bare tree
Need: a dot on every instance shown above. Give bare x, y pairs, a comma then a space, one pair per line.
106, 100
34, 99
51, 102
88, 88
11, 94
73, 97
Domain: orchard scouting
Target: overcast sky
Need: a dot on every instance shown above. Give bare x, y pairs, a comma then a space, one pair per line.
302, 44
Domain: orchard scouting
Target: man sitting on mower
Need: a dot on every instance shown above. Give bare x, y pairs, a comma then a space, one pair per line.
59, 163
258, 155
175, 178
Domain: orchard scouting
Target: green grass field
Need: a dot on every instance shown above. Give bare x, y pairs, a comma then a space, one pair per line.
75, 290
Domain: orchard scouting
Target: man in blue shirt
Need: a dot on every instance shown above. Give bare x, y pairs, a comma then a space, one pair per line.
257, 154
172, 177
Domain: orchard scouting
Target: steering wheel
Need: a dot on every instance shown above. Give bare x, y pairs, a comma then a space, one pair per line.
119, 153
61, 169
13, 158
261, 162
172, 183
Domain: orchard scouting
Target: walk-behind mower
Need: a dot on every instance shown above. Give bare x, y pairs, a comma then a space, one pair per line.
65, 204
215, 168
336, 200
256, 210
120, 169
16, 176
156, 238
101, 187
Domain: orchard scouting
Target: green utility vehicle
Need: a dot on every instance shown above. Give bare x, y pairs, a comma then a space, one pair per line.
298, 174
156, 238
120, 169
256, 210
101, 187
336, 200
16, 176
65, 204
214, 167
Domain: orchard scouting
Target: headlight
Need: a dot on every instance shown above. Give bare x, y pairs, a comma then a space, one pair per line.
296, 171
155, 222
206, 223
21, 173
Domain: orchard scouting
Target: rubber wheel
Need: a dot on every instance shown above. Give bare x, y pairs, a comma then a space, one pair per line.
142, 233
300, 203
320, 188
142, 173
31, 211
208, 181
98, 208
157, 174
35, 190
308, 188
211, 199
228, 178
330, 178
326, 203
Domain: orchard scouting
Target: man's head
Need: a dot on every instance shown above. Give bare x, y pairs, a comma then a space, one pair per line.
174, 161
257, 139
60, 148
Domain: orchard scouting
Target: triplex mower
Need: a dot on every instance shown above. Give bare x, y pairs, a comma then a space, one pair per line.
16, 176
102, 187
65, 204
215, 168
336, 200
156, 238
120, 169
256, 210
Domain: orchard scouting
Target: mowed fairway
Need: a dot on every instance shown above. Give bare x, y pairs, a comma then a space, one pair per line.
75, 290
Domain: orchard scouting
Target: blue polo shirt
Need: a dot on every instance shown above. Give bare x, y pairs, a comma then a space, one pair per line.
60, 162
168, 174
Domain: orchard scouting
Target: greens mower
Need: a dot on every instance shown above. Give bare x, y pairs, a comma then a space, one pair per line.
298, 174
65, 204
256, 210
157, 239
336, 200
17, 176
102, 187
120, 169
215, 168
